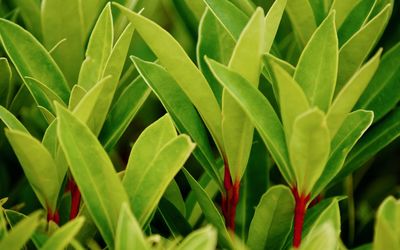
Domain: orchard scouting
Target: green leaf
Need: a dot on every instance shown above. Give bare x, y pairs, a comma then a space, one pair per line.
173, 217
355, 20
387, 229
313, 215
324, 237
211, 213
39, 167
353, 53
247, 6
92, 169
374, 140
349, 94
301, 16
202, 239
314, 73
115, 63
309, 148
94, 106
268, 60
31, 59
182, 69
155, 159
342, 8
98, 50
330, 214
253, 185
381, 95
231, 17
64, 235
21, 233
181, 110
11, 121
129, 234
320, 9
292, 99
123, 112
353, 127
77, 93
173, 195
272, 220
3, 222
214, 42
6, 85
272, 21
29, 10
69, 55
193, 209
237, 131
260, 112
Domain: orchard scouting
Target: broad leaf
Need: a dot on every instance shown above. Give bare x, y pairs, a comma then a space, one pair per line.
77, 93
123, 111
64, 235
320, 9
309, 149
272, 21
387, 229
381, 95
231, 17
315, 73
21, 233
11, 121
302, 18
31, 59
155, 159
353, 53
98, 50
202, 239
342, 8
292, 99
93, 172
374, 140
181, 110
129, 235
237, 131
348, 96
181, 68
260, 112
214, 42
330, 214
323, 237
174, 218
29, 10
39, 167
253, 185
355, 20
193, 209
69, 54
211, 213
272, 219
353, 127
6, 85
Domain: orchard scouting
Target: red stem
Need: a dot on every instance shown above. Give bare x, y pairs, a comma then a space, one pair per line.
230, 199
301, 201
53, 216
75, 198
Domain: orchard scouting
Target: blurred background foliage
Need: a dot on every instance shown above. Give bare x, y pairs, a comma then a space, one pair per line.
366, 188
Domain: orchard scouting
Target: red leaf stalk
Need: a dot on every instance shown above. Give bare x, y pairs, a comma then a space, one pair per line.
301, 201
53, 216
230, 199
75, 198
